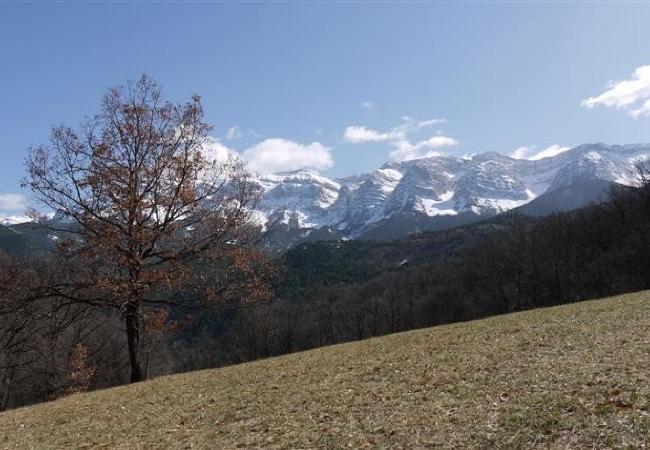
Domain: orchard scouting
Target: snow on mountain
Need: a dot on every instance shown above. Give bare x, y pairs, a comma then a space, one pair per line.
301, 198
491, 183
14, 220
437, 186
424, 181
364, 202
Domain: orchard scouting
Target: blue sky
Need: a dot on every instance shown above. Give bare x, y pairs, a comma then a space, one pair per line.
293, 77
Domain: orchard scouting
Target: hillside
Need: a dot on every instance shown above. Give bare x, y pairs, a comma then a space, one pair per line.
575, 375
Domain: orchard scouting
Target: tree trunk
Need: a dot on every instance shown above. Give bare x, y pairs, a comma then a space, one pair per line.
133, 338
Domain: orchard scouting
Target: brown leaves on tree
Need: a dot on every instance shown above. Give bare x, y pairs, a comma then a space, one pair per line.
150, 214
81, 373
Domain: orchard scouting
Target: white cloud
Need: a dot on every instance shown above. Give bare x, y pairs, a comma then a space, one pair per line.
410, 124
404, 150
642, 110
552, 150
531, 153
522, 152
436, 142
12, 202
270, 155
631, 95
398, 138
277, 155
234, 133
418, 124
360, 135
368, 106
213, 149
428, 123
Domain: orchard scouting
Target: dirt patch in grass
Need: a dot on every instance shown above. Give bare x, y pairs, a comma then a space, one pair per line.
570, 376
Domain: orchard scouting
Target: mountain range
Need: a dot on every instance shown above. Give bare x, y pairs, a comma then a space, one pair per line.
440, 192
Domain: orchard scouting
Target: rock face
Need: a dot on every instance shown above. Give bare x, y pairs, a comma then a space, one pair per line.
439, 191
302, 198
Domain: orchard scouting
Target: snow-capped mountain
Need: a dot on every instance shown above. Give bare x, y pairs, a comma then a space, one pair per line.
14, 220
301, 198
449, 190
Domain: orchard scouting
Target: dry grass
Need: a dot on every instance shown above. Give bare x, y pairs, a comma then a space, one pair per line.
571, 376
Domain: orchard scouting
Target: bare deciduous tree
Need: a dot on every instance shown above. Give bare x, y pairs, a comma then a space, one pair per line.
145, 205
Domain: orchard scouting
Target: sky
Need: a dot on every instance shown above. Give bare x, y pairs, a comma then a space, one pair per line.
341, 87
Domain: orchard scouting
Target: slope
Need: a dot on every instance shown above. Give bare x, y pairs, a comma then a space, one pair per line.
575, 195
568, 376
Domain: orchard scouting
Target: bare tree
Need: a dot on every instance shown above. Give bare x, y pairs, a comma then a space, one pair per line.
149, 216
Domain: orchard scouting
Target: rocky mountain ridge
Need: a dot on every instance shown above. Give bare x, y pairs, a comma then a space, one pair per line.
437, 189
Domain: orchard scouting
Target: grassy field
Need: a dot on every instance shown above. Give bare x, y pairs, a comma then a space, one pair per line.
572, 376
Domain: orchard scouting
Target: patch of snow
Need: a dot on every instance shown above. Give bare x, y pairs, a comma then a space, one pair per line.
441, 207
427, 207
391, 173
499, 204
594, 156
446, 196
14, 220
